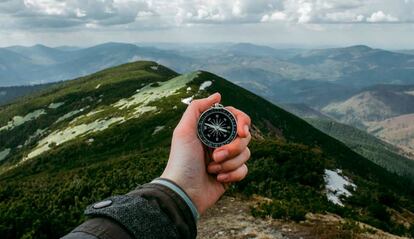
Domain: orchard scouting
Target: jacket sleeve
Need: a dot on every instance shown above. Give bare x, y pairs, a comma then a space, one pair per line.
160, 209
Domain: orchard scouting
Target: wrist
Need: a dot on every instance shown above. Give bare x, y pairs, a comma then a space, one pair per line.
181, 192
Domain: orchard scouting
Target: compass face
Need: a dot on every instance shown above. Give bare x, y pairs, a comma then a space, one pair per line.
217, 127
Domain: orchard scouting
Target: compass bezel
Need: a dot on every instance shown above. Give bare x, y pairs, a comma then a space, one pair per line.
227, 114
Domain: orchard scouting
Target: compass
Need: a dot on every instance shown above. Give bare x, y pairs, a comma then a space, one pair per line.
217, 126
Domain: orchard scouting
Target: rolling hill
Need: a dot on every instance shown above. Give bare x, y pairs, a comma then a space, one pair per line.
384, 111
305, 112
384, 154
103, 134
397, 130
373, 104
380, 144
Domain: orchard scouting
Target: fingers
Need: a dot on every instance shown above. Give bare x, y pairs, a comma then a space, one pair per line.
233, 176
229, 165
201, 105
243, 121
194, 110
231, 150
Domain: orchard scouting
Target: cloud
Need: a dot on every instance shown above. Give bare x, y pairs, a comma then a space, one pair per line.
381, 17
46, 7
344, 17
276, 16
342, 12
136, 14
57, 13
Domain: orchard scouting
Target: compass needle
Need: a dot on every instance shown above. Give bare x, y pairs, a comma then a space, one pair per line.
217, 126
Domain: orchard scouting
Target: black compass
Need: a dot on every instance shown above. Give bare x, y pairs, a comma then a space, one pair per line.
216, 127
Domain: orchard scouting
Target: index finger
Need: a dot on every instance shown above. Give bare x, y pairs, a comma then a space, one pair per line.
243, 121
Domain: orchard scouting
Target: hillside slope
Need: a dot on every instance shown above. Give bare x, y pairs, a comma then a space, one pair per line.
397, 130
380, 152
373, 104
104, 134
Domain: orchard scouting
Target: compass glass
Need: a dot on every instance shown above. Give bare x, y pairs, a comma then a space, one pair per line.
217, 127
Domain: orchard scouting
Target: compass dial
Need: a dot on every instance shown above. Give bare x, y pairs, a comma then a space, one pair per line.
216, 127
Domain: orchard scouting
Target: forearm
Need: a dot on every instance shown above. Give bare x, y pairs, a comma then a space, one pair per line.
151, 211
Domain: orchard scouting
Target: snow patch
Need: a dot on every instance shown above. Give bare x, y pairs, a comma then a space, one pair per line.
335, 186
188, 100
158, 129
70, 114
55, 105
93, 112
61, 136
97, 87
205, 85
409, 92
149, 94
4, 153
143, 109
19, 120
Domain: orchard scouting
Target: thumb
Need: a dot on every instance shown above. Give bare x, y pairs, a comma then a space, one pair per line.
196, 107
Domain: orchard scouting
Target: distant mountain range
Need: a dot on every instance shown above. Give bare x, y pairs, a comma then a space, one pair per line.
356, 85
385, 111
356, 66
373, 104
41, 64
11, 93
314, 77
82, 140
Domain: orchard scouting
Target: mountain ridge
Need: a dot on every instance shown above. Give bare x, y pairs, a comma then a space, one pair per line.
383, 101
290, 158
285, 62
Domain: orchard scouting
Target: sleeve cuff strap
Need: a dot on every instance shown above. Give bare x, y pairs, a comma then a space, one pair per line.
177, 189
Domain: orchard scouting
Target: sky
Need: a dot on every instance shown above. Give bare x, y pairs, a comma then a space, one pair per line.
284, 23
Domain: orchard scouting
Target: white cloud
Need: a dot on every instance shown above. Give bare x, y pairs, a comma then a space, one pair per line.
341, 11
344, 17
380, 16
304, 11
276, 16
59, 14
158, 14
47, 7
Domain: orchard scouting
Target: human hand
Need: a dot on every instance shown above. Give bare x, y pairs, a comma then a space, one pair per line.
187, 161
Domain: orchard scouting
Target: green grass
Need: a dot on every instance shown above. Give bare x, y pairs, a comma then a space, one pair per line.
45, 197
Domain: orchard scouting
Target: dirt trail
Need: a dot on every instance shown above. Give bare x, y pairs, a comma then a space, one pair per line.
231, 218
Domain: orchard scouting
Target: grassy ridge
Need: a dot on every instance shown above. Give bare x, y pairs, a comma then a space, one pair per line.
45, 197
